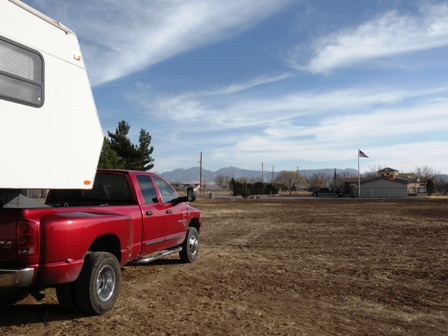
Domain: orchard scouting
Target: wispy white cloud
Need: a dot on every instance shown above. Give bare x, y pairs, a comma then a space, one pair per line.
122, 37
238, 87
218, 111
303, 126
408, 156
389, 34
217, 106
404, 156
380, 124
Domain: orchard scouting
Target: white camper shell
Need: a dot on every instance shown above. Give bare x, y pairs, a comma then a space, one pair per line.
50, 134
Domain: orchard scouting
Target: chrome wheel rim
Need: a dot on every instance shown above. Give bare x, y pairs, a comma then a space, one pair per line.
193, 244
105, 283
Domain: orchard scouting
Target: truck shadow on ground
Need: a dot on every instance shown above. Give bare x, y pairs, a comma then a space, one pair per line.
21, 314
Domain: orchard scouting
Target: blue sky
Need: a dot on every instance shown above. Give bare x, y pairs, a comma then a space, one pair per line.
286, 83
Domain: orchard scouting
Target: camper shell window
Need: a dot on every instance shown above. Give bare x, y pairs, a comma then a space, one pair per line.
21, 74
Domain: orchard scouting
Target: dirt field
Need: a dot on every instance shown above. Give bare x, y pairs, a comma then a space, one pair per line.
279, 267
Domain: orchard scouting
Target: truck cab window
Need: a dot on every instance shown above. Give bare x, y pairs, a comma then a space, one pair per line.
167, 193
147, 188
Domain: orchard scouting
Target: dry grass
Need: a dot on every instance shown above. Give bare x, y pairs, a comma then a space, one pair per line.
281, 267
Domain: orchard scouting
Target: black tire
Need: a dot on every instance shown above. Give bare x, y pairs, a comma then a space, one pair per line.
98, 284
66, 294
190, 246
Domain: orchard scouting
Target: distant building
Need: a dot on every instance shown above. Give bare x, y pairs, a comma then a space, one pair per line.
389, 183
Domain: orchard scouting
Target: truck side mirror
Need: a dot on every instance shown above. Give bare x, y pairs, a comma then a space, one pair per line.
191, 194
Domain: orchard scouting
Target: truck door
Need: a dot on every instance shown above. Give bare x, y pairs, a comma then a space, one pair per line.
176, 224
153, 213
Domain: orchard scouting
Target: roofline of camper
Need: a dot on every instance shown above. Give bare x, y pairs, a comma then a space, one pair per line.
42, 16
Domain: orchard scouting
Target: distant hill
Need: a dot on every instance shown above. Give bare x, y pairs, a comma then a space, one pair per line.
192, 174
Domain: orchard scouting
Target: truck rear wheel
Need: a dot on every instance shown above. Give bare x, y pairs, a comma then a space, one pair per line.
99, 283
190, 246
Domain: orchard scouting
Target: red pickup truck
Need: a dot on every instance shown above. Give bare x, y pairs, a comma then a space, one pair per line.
78, 240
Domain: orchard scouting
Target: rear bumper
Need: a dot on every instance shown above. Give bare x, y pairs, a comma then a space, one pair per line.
16, 278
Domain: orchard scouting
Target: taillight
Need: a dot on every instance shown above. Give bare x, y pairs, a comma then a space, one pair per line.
27, 238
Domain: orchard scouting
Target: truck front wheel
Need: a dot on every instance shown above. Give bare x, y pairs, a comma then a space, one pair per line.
99, 283
190, 246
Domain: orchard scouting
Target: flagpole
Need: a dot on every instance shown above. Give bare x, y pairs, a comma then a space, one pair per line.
360, 154
359, 178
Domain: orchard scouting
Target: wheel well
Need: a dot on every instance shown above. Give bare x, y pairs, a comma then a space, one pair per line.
107, 243
195, 223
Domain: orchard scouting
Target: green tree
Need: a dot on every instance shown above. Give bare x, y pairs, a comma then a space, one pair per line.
144, 151
109, 158
119, 152
430, 186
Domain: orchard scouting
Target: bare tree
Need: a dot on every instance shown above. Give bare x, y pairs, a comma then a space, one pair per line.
425, 173
243, 179
318, 180
289, 179
339, 178
373, 171
441, 184
222, 180
255, 179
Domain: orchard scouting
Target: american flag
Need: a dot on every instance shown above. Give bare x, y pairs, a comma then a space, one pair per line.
362, 154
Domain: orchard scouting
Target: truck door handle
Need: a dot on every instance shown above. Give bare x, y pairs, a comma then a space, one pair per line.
168, 211
148, 213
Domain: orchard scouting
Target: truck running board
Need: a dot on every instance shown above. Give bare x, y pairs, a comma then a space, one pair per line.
152, 257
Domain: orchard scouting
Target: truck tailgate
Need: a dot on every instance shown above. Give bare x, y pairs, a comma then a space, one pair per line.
8, 233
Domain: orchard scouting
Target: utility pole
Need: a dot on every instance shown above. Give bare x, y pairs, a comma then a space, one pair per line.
262, 179
200, 173
297, 180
